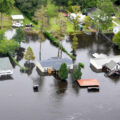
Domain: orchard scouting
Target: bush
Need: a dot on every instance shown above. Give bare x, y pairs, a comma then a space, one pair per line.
63, 72
54, 41
19, 36
77, 72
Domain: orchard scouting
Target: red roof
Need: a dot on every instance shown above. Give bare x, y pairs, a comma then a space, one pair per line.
88, 82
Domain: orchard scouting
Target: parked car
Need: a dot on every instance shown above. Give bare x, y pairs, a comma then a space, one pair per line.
29, 25
17, 25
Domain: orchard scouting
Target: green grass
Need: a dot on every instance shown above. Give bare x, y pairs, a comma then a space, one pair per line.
7, 21
54, 26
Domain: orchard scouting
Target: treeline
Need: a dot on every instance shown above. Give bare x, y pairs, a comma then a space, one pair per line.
28, 7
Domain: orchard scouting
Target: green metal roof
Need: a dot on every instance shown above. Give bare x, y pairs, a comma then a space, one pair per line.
5, 64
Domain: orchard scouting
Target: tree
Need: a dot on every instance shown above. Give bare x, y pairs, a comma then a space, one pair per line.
29, 55
63, 72
76, 10
60, 34
51, 10
5, 7
87, 21
102, 16
74, 44
41, 16
2, 36
8, 46
19, 36
116, 39
77, 72
28, 7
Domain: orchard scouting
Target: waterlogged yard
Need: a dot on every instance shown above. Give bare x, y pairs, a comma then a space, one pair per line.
58, 100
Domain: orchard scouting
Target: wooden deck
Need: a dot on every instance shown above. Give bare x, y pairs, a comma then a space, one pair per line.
88, 82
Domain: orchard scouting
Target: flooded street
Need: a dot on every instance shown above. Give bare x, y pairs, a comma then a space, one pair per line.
60, 100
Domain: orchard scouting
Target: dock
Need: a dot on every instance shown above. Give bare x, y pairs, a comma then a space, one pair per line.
88, 83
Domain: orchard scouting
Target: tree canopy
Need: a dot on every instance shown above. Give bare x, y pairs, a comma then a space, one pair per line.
116, 39
63, 72
8, 46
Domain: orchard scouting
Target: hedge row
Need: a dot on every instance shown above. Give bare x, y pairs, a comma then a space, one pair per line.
54, 41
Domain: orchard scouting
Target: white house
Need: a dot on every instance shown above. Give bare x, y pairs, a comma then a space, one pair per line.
80, 16
17, 20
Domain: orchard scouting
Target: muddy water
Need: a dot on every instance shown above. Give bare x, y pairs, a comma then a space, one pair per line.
56, 100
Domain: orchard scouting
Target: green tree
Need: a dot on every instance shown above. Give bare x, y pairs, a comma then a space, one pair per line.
76, 9
60, 34
5, 7
51, 10
116, 39
41, 16
2, 36
87, 21
77, 72
102, 16
29, 55
74, 44
63, 72
8, 46
19, 36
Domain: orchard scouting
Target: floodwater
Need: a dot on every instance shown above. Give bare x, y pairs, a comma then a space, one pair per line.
57, 100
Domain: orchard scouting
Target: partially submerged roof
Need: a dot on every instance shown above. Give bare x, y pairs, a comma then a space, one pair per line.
88, 82
98, 63
55, 63
5, 64
17, 17
111, 65
97, 55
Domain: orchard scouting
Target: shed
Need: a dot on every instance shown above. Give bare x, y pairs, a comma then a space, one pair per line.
111, 65
88, 83
17, 19
5, 66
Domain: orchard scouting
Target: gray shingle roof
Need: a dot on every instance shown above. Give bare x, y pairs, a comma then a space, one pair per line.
55, 63
111, 65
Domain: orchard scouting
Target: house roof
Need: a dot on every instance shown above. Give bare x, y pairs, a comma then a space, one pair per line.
88, 82
55, 63
17, 17
5, 64
111, 65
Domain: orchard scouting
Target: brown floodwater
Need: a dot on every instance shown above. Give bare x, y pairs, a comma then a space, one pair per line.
57, 100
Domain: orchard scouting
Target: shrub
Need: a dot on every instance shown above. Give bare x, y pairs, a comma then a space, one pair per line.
77, 72
63, 72
19, 36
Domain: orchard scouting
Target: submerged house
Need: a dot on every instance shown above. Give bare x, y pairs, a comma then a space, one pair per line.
5, 67
112, 68
98, 63
53, 64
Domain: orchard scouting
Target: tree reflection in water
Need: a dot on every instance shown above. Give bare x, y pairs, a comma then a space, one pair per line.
30, 67
61, 86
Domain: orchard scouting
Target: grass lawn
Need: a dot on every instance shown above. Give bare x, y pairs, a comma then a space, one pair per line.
54, 26
7, 21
